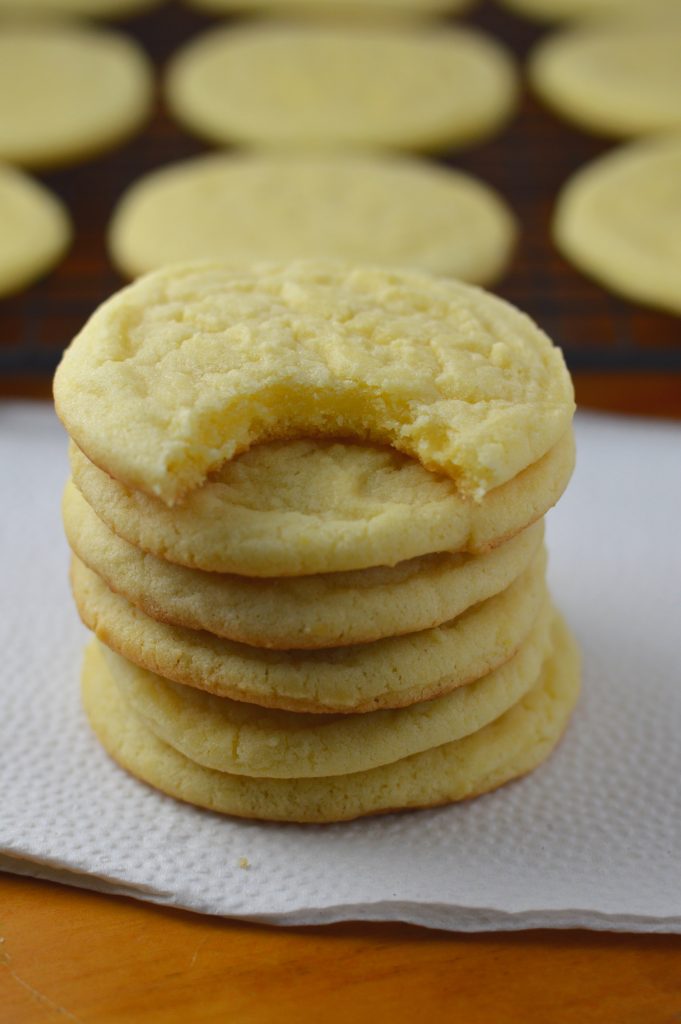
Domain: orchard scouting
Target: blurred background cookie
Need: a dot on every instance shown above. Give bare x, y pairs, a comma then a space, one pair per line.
328, 87
370, 209
68, 91
35, 229
619, 220
619, 79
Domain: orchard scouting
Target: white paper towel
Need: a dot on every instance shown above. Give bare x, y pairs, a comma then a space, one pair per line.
592, 839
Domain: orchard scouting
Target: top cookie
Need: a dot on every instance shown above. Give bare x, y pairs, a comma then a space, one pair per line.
192, 364
332, 86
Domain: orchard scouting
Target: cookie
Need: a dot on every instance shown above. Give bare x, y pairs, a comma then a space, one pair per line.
619, 221
68, 92
36, 230
84, 8
556, 10
199, 362
364, 9
392, 672
242, 739
342, 85
240, 207
509, 747
619, 79
299, 508
306, 612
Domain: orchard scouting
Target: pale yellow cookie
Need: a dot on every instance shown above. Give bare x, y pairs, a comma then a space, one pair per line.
297, 508
558, 10
84, 8
510, 746
392, 672
243, 739
620, 79
240, 207
190, 365
338, 86
619, 220
35, 230
68, 92
306, 612
362, 9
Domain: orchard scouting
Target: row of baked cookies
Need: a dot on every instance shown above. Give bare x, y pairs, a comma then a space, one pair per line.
317, 629
620, 77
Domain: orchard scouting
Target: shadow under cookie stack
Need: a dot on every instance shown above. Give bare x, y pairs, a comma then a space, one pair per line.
319, 627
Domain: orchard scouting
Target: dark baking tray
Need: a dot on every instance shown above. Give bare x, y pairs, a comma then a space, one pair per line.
527, 163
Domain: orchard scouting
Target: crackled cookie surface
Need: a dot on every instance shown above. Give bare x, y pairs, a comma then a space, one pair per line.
512, 745
342, 85
619, 220
239, 207
620, 79
68, 91
392, 672
190, 365
35, 229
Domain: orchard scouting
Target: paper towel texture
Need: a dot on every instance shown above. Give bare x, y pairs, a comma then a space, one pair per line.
592, 839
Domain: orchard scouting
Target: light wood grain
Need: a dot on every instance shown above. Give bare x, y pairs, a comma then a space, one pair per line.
70, 955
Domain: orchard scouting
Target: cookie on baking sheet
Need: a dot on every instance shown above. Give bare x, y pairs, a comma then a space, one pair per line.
68, 91
392, 672
298, 508
300, 612
35, 230
337, 86
364, 9
84, 8
512, 745
619, 220
202, 361
620, 79
243, 739
239, 207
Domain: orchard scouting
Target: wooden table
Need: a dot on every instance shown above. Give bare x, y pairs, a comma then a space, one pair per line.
70, 955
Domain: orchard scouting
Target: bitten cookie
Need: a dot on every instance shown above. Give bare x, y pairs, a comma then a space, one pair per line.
200, 362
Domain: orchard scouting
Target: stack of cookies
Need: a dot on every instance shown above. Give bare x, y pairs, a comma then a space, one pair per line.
306, 515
